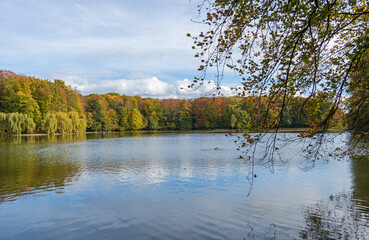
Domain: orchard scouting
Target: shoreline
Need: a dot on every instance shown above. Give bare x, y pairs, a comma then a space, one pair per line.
281, 130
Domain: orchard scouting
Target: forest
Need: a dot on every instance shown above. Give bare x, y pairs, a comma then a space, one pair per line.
32, 105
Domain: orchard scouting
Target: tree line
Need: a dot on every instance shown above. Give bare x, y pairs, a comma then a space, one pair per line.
29, 105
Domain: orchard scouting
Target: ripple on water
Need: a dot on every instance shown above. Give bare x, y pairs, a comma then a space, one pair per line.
184, 186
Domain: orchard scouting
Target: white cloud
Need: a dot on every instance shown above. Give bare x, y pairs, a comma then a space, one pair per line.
43, 36
146, 87
104, 40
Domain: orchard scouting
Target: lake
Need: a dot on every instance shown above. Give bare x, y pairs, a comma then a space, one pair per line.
173, 186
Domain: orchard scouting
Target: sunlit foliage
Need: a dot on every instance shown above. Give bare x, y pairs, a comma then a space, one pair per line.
16, 123
54, 108
288, 52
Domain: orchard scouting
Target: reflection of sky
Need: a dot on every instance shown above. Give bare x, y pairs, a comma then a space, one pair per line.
168, 186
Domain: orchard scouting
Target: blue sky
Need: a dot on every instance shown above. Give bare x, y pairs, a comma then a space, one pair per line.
131, 47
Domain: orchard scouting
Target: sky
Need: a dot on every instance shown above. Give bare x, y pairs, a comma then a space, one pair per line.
131, 47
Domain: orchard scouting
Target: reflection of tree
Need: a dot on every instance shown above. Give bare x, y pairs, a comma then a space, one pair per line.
42, 138
341, 217
23, 172
271, 233
360, 168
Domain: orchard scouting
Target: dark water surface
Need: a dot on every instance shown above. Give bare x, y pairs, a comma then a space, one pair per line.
172, 186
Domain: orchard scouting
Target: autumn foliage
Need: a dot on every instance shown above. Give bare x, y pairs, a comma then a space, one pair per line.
29, 104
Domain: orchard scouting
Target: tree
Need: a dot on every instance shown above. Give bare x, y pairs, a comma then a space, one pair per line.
16, 95
282, 49
41, 92
89, 120
97, 106
237, 118
122, 118
136, 121
358, 104
184, 116
64, 125
153, 121
57, 108
29, 125
170, 110
204, 113
50, 123
152, 112
2, 123
15, 121
78, 122
59, 97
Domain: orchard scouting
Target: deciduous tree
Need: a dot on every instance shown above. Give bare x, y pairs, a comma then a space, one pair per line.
282, 49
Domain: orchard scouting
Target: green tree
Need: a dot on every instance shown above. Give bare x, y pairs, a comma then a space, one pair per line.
153, 121
29, 125
41, 93
122, 118
16, 95
50, 123
96, 105
281, 49
3, 123
82, 124
78, 122
358, 104
184, 116
64, 125
136, 120
14, 123
75, 121
89, 121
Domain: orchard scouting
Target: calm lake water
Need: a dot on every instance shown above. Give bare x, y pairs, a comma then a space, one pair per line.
172, 186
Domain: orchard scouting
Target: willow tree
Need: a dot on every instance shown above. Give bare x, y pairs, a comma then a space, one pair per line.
16, 123
82, 126
65, 124
282, 49
2, 123
78, 122
50, 123
29, 125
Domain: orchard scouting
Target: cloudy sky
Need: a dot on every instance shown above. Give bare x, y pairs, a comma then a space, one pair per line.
131, 47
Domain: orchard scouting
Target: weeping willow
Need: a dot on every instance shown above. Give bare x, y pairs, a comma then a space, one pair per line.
16, 123
64, 123
51, 123
78, 121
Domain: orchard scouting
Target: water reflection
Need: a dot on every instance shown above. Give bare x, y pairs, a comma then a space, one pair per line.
21, 139
340, 217
26, 169
360, 169
42, 138
170, 187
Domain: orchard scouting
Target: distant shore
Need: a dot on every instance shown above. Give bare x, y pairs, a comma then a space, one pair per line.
281, 130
